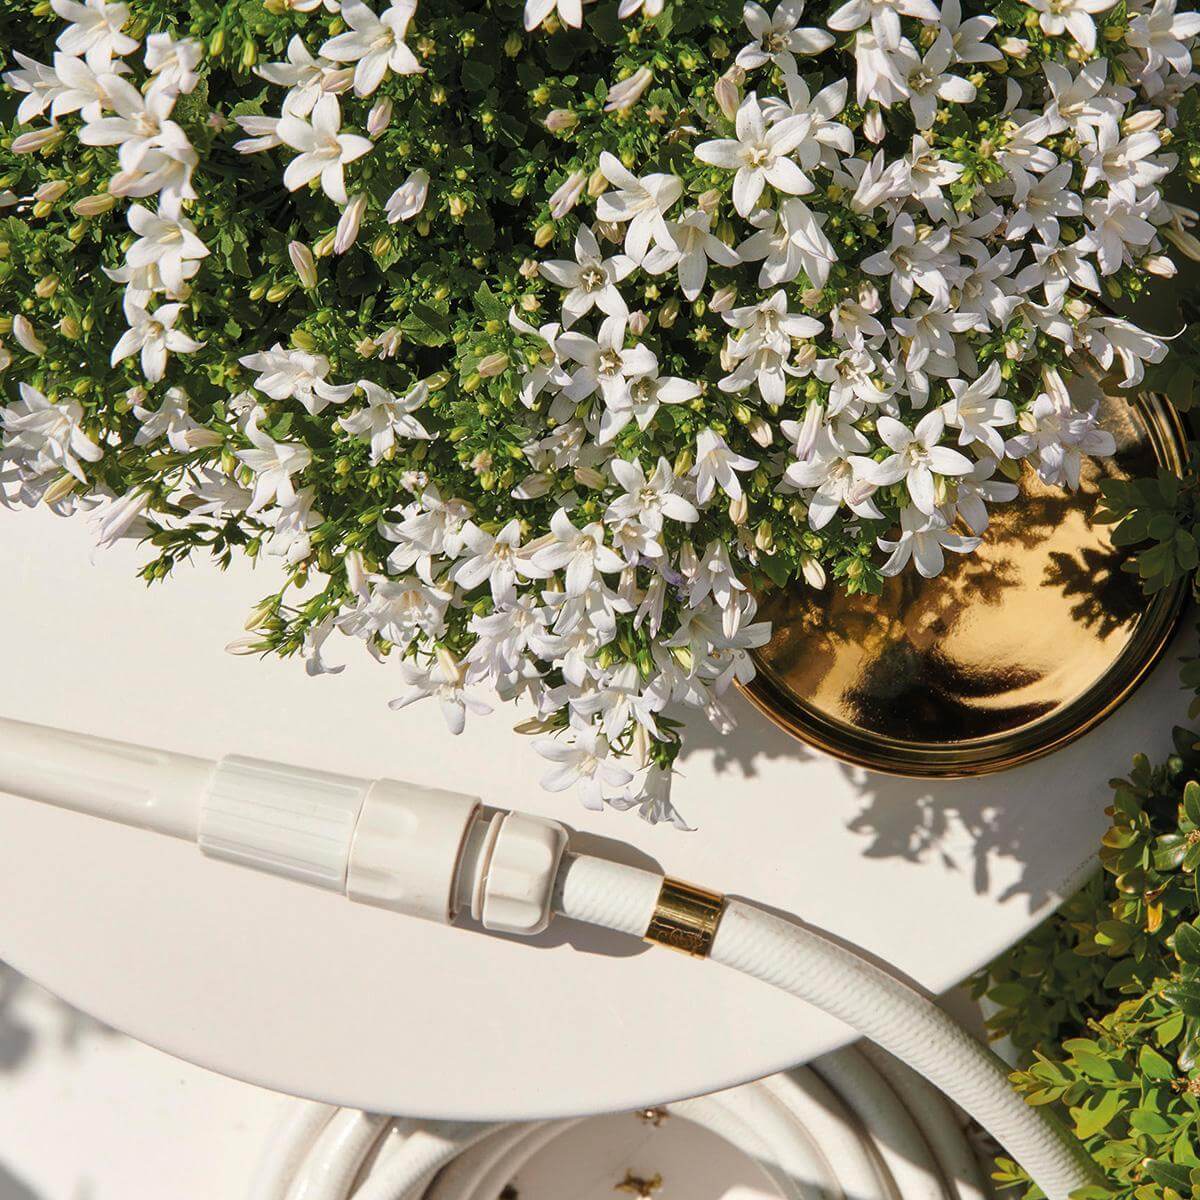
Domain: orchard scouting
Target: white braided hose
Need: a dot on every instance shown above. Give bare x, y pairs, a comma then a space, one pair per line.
432, 854
841, 983
807, 1137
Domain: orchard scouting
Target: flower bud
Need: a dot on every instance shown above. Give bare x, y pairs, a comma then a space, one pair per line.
873, 126
723, 299
544, 235
37, 139
26, 336
93, 206
567, 195
739, 510
559, 120
1160, 265
46, 287
760, 431
591, 478
492, 365
1140, 122
379, 117
669, 313
639, 322
349, 223
1015, 47
51, 191
70, 329
624, 95
60, 489
764, 537
597, 184
813, 572
725, 92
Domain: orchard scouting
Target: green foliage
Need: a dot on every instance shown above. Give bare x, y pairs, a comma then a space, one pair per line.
1106, 994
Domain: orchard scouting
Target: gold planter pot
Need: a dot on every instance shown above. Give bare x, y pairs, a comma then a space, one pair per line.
1008, 654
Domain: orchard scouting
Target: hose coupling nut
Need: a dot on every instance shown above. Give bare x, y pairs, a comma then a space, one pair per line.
685, 918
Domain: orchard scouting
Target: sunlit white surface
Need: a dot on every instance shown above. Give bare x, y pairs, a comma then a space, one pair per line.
300, 991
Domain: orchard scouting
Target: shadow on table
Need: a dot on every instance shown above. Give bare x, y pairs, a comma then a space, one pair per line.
18, 1035
966, 825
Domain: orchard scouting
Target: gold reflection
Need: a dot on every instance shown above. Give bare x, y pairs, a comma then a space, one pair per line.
1008, 653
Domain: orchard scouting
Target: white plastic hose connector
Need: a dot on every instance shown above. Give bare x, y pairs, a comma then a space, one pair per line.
389, 844
515, 872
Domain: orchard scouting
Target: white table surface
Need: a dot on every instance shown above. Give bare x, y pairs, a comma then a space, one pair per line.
296, 990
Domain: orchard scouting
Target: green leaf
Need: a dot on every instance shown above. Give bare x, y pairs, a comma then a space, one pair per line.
1153, 1065
1191, 793
1090, 1119
1168, 1174
1187, 943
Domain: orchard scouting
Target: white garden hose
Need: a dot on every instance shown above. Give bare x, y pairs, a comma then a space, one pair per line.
436, 854
846, 1128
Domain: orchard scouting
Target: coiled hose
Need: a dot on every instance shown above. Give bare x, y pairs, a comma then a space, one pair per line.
855, 1125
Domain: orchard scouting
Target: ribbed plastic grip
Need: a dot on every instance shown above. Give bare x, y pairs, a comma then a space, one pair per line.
282, 819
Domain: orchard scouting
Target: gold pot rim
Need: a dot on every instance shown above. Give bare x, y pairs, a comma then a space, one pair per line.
1154, 630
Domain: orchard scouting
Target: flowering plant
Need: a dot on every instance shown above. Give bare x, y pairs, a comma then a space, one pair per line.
532, 340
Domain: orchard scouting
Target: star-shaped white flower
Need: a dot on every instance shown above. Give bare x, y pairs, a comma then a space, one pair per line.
916, 457
581, 551
591, 280
780, 37
170, 245
923, 539
323, 149
716, 467
642, 203
648, 500
386, 417
692, 244
759, 155
374, 44
94, 30
978, 411
273, 463
284, 374
153, 335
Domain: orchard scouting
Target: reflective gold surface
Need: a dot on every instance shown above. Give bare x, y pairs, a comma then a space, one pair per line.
1009, 653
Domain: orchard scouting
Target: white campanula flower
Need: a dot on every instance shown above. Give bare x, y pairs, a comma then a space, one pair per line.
651, 796
690, 245
974, 492
605, 363
495, 559
581, 551
1162, 35
827, 474
1114, 228
780, 37
1083, 98
323, 150
273, 464
642, 203
648, 500
374, 43
569, 12
591, 280
445, 680
917, 455
978, 411
39, 83
296, 374
169, 244
153, 337
1056, 435
969, 37
1114, 339
386, 417
174, 61
141, 122
306, 76
46, 435
923, 538
430, 528
121, 516
409, 198
759, 155
94, 30
1059, 17
1045, 201
291, 525
929, 79
790, 240
82, 89
264, 133
399, 610
916, 259
716, 467
585, 761
1125, 165
883, 16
